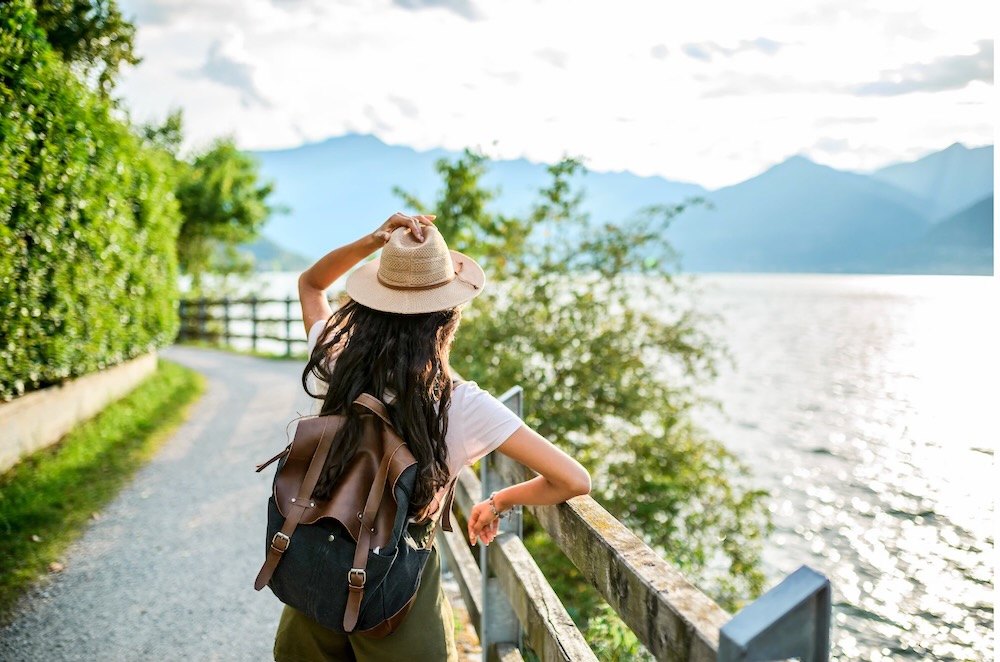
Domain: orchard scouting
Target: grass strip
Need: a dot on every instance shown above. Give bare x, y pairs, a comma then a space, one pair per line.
47, 499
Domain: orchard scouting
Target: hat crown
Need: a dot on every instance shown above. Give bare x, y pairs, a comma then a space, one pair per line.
408, 263
414, 277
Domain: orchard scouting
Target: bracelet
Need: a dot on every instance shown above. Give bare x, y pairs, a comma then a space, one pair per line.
494, 510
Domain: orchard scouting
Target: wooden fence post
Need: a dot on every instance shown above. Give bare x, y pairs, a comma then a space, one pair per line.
253, 323
182, 314
202, 319
225, 319
288, 326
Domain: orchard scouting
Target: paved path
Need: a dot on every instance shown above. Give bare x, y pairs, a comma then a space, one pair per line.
167, 571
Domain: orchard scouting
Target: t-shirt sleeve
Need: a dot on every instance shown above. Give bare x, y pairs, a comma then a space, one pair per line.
316, 386
314, 333
484, 422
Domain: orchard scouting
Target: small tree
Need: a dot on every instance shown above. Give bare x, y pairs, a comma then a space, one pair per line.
221, 197
587, 317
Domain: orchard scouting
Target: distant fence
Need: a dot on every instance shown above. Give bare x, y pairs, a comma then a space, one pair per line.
271, 325
513, 607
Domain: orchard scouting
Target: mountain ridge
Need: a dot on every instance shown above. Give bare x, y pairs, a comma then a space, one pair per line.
944, 178
797, 215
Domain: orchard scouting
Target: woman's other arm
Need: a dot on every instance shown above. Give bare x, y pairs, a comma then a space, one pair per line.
561, 478
314, 280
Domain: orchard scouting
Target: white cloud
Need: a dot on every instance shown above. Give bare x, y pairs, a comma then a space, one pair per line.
949, 72
463, 8
609, 81
229, 64
709, 50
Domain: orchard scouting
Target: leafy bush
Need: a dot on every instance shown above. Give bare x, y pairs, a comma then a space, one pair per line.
89, 222
611, 640
90, 35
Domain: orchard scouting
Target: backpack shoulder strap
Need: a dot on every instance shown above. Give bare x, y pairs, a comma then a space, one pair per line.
357, 576
373, 405
443, 519
282, 539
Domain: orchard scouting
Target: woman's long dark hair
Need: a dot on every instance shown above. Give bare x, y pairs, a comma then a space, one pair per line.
405, 355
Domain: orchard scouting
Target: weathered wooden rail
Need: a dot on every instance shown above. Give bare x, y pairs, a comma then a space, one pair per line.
513, 607
223, 321
676, 622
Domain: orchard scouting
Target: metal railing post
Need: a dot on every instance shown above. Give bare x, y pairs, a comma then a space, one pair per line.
790, 620
498, 622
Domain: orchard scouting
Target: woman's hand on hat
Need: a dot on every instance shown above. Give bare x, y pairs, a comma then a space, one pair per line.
400, 220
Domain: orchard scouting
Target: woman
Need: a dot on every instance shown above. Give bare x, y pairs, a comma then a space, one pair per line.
392, 339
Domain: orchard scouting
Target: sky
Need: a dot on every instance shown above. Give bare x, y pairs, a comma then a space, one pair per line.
711, 92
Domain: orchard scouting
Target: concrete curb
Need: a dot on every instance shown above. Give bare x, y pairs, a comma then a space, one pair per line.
41, 418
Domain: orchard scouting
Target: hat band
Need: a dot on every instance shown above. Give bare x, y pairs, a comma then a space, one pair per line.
432, 286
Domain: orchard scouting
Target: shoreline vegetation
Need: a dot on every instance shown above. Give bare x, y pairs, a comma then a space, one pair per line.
49, 498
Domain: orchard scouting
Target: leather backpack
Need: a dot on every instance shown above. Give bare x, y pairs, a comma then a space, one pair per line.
349, 563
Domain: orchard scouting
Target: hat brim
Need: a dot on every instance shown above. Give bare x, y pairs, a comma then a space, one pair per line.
364, 287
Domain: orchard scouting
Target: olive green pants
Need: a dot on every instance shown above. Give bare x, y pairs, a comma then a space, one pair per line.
427, 634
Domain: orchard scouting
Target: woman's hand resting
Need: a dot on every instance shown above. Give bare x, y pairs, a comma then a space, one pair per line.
483, 524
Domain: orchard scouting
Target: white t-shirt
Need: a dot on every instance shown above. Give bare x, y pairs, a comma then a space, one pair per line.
477, 422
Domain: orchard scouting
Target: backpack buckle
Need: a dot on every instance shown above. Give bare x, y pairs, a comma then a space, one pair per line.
360, 575
280, 537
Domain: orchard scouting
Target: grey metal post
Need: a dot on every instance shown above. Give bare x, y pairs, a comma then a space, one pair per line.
790, 620
498, 622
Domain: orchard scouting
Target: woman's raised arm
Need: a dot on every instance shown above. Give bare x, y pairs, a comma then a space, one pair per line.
314, 280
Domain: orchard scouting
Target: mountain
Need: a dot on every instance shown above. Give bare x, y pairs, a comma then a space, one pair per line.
960, 244
950, 180
338, 189
269, 256
798, 216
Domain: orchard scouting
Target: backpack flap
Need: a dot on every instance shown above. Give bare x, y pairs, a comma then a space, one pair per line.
350, 495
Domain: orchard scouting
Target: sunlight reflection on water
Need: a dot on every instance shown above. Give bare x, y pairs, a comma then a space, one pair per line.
867, 406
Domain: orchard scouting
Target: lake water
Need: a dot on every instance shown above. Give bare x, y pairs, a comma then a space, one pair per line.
867, 406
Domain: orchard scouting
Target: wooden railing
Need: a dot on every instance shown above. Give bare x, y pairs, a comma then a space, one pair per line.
672, 619
515, 606
245, 323
511, 604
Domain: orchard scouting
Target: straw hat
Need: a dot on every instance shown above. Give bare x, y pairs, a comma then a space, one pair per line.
416, 277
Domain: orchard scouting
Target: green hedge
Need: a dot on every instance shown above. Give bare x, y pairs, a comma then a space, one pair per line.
89, 222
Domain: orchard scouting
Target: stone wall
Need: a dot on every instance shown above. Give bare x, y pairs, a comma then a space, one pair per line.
41, 418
